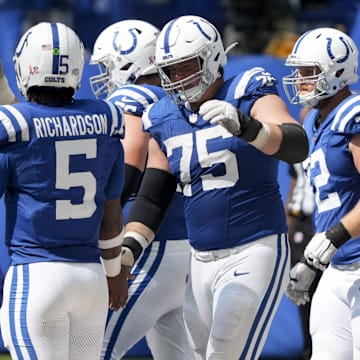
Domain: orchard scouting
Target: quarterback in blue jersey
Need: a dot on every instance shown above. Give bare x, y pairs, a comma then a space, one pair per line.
62, 169
324, 63
221, 141
125, 54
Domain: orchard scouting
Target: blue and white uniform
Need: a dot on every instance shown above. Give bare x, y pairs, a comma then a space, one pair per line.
336, 183
156, 295
235, 220
58, 165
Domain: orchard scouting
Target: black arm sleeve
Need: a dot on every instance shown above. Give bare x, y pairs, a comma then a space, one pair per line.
131, 184
153, 199
294, 147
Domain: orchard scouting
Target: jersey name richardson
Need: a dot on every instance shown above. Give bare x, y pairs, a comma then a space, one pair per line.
72, 125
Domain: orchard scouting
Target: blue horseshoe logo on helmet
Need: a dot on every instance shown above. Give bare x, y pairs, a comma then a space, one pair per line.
131, 48
25, 42
204, 33
331, 55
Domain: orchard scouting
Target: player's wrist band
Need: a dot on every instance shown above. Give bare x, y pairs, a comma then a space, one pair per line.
112, 267
338, 234
249, 127
113, 242
133, 245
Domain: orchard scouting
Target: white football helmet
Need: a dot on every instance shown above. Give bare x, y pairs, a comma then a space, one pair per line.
50, 55
124, 51
334, 58
185, 38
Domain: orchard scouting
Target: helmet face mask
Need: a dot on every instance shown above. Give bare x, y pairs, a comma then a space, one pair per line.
123, 51
192, 84
332, 53
183, 39
303, 85
49, 55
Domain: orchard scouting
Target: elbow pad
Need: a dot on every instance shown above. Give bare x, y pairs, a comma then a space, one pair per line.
131, 184
294, 147
153, 199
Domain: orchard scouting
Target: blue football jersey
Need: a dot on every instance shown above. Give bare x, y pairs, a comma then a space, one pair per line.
330, 167
134, 99
230, 188
58, 165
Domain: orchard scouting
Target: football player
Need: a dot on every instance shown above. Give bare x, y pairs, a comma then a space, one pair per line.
324, 63
61, 165
222, 141
125, 53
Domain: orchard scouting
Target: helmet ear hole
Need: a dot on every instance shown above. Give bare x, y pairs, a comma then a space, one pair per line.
339, 72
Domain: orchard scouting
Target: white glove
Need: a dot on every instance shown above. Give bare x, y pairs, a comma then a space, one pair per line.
301, 279
319, 251
223, 113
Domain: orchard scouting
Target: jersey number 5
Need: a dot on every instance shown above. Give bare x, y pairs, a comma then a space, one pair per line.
65, 180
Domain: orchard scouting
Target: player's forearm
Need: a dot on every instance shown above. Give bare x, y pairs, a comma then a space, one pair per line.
147, 212
7, 97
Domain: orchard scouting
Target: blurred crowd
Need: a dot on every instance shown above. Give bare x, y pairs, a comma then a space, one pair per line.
258, 26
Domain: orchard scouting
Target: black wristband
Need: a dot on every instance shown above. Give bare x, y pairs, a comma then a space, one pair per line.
338, 234
134, 246
249, 127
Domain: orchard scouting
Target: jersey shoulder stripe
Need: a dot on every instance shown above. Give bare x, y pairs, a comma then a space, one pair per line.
347, 116
117, 118
14, 125
137, 93
253, 82
146, 119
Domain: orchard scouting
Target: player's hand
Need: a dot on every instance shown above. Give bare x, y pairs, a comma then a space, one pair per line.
223, 113
301, 279
319, 251
118, 288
